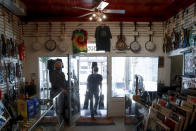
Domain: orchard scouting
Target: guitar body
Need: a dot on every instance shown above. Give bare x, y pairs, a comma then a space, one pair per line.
12, 50
8, 48
175, 40
184, 39
3, 45
180, 42
184, 44
121, 45
169, 44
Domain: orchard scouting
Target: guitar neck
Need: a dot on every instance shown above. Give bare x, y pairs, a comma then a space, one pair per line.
121, 29
150, 35
195, 10
135, 24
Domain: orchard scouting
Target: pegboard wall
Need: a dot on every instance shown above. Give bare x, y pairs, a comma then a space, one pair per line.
10, 25
183, 19
90, 27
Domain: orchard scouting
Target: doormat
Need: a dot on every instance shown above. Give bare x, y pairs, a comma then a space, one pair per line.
130, 121
97, 122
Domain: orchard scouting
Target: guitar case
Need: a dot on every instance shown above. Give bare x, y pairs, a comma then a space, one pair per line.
101, 101
86, 100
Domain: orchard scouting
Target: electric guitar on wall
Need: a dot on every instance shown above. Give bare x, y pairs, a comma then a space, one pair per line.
3, 45
167, 44
192, 32
167, 40
183, 42
175, 39
121, 45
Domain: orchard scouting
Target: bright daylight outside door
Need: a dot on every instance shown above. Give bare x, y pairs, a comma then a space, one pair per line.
85, 69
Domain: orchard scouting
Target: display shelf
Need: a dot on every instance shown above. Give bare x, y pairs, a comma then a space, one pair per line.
180, 51
31, 124
135, 111
15, 60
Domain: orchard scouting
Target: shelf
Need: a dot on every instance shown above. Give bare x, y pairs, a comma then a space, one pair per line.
180, 51
10, 59
44, 109
30, 124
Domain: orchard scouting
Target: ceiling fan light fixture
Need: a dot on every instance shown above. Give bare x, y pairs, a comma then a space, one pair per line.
104, 16
99, 19
94, 14
90, 18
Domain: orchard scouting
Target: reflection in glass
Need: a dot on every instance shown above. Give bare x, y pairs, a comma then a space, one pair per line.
123, 76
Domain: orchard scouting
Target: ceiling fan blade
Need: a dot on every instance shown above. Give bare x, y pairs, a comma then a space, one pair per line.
76, 7
114, 11
102, 5
85, 15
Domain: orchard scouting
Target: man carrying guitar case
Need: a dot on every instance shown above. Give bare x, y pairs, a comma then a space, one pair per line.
87, 95
94, 83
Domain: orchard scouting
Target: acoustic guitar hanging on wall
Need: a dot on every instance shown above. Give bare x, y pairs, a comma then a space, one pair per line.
149, 45
121, 45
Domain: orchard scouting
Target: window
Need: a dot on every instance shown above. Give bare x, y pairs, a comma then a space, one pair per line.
123, 78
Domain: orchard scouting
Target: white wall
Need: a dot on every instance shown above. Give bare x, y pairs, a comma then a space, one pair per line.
115, 105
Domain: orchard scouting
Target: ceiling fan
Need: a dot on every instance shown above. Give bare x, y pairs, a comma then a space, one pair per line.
99, 11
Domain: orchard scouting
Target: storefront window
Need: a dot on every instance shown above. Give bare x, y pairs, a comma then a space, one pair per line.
123, 77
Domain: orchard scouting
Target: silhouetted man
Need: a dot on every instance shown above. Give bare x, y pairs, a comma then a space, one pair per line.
94, 82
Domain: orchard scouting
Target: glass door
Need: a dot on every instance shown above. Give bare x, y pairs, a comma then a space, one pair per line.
73, 85
85, 69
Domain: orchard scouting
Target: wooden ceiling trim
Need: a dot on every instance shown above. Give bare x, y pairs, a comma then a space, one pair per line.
139, 10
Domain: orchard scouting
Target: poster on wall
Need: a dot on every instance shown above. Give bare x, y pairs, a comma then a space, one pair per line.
189, 69
4, 115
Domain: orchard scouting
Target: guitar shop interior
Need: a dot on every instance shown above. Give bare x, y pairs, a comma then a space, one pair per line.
109, 65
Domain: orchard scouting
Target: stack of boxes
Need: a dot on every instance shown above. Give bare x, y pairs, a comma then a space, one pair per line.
28, 108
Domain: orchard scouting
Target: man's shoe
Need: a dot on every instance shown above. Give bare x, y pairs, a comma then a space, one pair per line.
92, 117
95, 112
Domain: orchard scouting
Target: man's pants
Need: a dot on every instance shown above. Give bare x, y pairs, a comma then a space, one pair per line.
96, 95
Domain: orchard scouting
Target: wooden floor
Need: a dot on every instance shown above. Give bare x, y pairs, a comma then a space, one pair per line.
119, 126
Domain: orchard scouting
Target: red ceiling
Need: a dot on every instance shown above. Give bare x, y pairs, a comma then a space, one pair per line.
136, 10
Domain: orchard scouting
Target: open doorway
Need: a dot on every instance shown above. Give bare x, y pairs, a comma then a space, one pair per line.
85, 69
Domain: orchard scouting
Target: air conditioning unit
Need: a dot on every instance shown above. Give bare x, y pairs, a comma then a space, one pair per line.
17, 7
